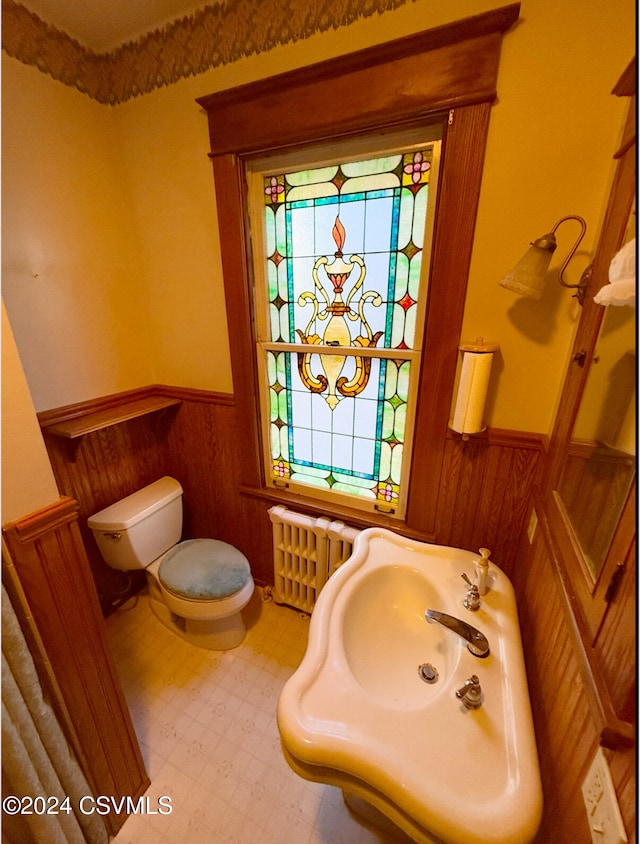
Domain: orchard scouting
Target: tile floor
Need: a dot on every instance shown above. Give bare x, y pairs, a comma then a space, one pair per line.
207, 729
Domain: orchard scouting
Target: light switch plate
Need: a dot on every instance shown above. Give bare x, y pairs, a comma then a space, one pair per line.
601, 802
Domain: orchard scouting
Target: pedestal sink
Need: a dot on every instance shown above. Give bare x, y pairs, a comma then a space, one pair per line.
372, 707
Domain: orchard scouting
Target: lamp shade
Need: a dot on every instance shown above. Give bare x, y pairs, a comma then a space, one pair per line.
528, 276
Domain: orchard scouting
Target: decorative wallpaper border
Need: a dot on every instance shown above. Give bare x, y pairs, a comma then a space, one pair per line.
213, 36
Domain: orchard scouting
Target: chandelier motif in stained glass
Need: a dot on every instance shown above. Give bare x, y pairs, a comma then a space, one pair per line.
344, 252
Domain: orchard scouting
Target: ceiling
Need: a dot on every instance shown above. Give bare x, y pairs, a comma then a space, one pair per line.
102, 25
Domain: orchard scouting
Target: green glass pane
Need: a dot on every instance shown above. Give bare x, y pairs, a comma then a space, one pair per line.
311, 480
281, 369
273, 403
309, 177
401, 277
311, 471
274, 318
403, 380
353, 489
398, 329
410, 326
282, 443
420, 214
391, 381
275, 441
369, 183
283, 410
283, 281
396, 464
309, 475
387, 420
271, 368
406, 218
342, 479
272, 280
284, 323
269, 230
385, 462
312, 191
281, 230
372, 165
415, 268
400, 422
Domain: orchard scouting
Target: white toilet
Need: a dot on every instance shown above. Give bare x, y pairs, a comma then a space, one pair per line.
197, 587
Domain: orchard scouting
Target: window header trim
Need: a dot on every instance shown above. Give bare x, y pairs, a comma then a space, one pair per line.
446, 67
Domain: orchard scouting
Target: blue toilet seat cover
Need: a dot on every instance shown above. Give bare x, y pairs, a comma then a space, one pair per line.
204, 569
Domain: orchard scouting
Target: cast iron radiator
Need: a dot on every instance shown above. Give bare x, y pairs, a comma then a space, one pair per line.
306, 552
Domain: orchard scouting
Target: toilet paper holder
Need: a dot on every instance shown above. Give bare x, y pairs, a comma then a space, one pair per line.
473, 384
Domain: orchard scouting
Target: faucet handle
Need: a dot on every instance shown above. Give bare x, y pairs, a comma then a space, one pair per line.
472, 598
470, 693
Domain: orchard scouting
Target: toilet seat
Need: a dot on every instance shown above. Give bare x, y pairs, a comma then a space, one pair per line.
201, 608
204, 570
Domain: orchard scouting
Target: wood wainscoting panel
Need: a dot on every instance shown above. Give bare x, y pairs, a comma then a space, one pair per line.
485, 491
105, 466
49, 558
202, 453
617, 641
566, 732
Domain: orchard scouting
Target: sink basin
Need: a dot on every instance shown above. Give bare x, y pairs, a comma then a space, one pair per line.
384, 636
358, 712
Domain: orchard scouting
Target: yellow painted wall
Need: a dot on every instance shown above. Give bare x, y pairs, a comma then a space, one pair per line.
71, 270
145, 302
552, 136
168, 174
27, 478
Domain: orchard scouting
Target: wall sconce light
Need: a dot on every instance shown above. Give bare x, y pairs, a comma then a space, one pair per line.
529, 275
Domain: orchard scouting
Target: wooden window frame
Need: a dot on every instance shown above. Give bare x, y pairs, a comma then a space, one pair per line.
377, 146
451, 71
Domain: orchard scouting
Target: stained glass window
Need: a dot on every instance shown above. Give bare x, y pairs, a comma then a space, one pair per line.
344, 253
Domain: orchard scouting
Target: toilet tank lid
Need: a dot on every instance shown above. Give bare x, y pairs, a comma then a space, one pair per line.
127, 512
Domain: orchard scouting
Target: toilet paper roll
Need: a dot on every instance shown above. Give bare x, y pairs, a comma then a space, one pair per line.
472, 393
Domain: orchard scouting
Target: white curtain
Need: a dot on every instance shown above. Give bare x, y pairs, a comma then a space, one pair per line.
36, 758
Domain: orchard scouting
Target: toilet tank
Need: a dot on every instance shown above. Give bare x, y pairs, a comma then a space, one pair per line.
136, 530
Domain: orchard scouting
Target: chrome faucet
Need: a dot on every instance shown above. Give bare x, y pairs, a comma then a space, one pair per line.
476, 641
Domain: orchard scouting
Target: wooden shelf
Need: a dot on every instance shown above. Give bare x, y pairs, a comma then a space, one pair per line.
79, 426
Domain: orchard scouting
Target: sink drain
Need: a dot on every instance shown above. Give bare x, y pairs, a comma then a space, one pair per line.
428, 673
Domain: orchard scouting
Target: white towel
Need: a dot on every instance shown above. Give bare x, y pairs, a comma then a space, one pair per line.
621, 289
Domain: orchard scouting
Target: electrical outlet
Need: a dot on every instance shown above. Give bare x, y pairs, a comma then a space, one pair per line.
605, 821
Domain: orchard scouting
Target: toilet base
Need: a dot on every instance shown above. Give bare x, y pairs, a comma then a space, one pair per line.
220, 634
